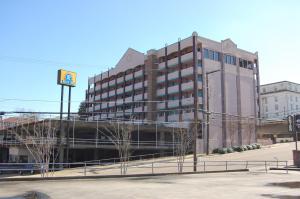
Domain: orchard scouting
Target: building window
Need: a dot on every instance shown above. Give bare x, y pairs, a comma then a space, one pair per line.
276, 107
228, 59
206, 53
200, 78
200, 93
212, 55
276, 99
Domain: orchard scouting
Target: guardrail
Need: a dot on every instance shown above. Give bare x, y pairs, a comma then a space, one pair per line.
144, 167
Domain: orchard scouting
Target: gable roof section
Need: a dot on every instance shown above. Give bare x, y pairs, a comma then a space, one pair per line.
130, 59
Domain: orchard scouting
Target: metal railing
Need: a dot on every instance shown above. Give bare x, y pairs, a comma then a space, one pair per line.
143, 167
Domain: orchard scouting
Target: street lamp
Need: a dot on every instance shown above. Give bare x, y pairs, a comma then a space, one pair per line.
207, 110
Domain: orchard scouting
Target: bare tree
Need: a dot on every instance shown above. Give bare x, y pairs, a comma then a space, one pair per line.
39, 137
119, 133
183, 141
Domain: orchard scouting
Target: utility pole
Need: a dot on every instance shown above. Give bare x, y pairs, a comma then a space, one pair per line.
207, 110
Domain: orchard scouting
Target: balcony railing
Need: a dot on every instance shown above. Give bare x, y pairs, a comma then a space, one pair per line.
173, 89
173, 75
187, 71
187, 86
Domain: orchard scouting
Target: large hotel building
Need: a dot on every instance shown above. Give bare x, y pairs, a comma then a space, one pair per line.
193, 80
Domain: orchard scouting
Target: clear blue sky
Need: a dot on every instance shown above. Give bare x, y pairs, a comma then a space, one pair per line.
39, 37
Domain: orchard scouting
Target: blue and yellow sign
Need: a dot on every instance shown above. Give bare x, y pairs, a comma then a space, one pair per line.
66, 78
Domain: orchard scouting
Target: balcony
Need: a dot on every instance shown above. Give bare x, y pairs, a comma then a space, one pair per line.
128, 99
104, 85
187, 57
173, 118
119, 114
111, 104
112, 93
97, 107
161, 66
119, 102
98, 87
97, 97
173, 89
173, 75
187, 86
128, 88
187, 101
138, 73
187, 71
160, 92
188, 116
161, 105
172, 104
138, 85
129, 77
112, 82
146, 83
120, 80
138, 97
119, 91
104, 105
173, 62
104, 95
91, 109
91, 80
161, 79
138, 109
111, 115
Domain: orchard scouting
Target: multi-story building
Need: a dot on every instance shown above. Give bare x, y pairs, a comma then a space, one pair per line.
280, 99
195, 80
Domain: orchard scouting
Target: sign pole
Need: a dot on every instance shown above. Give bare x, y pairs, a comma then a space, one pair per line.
68, 124
61, 152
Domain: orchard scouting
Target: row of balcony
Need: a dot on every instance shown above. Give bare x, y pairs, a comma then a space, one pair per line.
174, 62
174, 75
97, 78
120, 90
175, 103
175, 89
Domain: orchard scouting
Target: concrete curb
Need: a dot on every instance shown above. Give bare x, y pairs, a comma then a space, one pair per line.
113, 176
284, 169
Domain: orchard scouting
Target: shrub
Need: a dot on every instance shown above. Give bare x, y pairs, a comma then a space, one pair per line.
239, 149
281, 141
230, 150
223, 150
254, 146
286, 140
258, 146
244, 147
249, 147
216, 150
235, 148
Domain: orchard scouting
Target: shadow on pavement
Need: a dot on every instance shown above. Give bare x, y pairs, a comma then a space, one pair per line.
29, 195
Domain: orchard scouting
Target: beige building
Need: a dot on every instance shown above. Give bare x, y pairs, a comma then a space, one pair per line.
195, 80
279, 100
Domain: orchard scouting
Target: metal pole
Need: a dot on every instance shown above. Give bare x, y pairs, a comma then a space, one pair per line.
207, 116
61, 148
68, 125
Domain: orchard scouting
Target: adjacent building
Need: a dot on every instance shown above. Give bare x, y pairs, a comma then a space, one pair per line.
193, 81
280, 99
